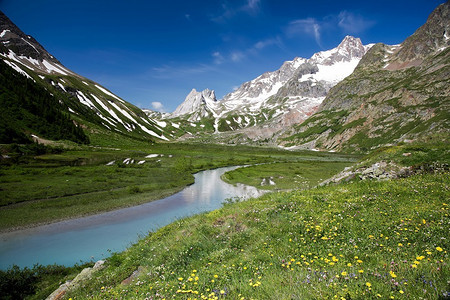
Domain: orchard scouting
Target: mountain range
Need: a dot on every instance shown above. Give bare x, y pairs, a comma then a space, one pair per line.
354, 97
273, 100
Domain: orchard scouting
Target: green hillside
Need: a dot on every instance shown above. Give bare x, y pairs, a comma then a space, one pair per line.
28, 108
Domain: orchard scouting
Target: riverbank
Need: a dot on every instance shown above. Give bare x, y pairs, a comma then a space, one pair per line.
90, 238
76, 183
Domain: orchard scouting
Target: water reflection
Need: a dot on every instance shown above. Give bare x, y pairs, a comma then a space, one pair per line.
93, 237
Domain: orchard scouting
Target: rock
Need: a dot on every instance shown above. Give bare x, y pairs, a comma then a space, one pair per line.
133, 276
85, 274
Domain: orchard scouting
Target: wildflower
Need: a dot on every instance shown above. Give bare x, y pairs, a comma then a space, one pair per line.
439, 249
344, 273
361, 271
349, 265
180, 278
368, 284
401, 291
392, 274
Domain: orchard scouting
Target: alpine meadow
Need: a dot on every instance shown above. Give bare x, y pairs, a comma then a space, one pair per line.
327, 178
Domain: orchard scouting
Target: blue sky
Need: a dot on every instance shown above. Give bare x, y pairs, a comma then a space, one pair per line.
152, 53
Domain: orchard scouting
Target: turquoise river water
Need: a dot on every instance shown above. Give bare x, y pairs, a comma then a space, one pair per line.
94, 237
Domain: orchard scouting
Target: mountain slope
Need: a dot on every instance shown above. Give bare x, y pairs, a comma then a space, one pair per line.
86, 101
28, 108
275, 100
396, 93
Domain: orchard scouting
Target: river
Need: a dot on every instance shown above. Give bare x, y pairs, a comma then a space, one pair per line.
94, 237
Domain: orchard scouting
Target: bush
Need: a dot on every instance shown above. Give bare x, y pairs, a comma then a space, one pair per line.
16, 283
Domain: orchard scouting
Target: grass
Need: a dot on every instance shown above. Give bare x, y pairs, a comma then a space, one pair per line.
284, 176
77, 182
360, 240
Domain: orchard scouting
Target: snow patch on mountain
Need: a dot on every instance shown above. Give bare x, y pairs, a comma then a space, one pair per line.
53, 68
332, 73
17, 68
108, 93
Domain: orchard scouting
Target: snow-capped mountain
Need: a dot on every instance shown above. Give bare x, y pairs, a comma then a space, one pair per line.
297, 78
197, 105
80, 96
280, 98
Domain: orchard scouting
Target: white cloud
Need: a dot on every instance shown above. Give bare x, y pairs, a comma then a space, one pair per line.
237, 56
308, 26
353, 23
268, 42
158, 106
347, 22
218, 58
250, 7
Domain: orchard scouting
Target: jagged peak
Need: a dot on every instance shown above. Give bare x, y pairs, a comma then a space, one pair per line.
194, 100
350, 41
349, 49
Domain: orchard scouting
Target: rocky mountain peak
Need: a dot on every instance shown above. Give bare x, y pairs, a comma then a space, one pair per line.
195, 101
350, 48
12, 38
433, 36
23, 50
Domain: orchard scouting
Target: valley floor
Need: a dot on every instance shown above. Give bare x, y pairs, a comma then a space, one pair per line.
362, 239
52, 187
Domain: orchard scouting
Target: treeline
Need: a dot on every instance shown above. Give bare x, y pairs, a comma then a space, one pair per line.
26, 107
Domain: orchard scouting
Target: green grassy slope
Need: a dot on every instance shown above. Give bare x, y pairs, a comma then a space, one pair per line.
360, 240
28, 108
